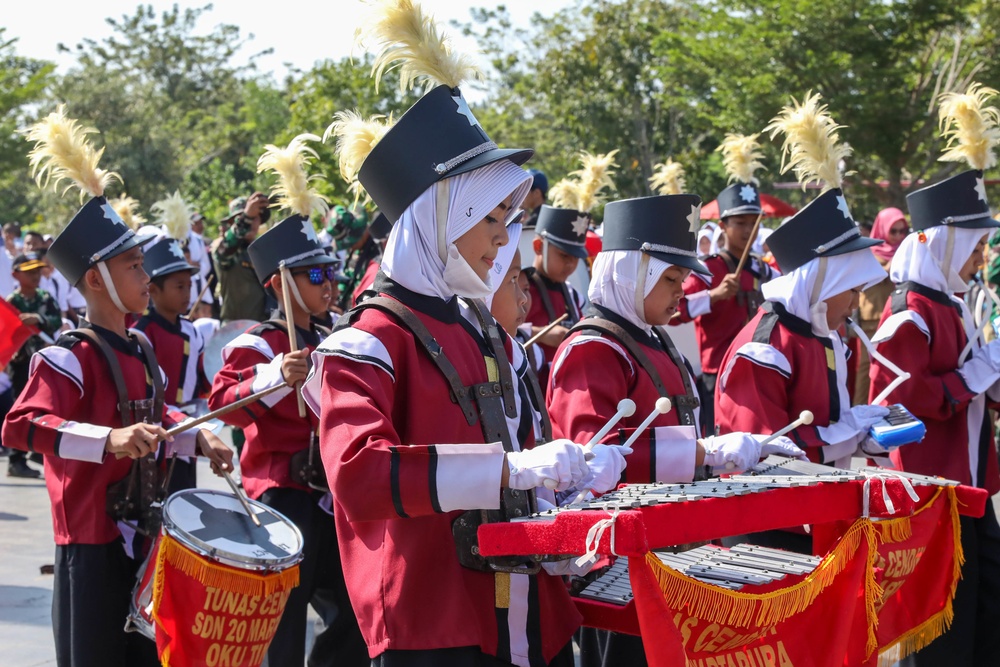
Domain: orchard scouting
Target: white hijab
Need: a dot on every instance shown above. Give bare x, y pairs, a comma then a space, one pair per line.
799, 293
616, 282
924, 263
415, 255
503, 260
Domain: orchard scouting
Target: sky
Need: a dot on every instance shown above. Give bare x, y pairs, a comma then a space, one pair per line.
301, 32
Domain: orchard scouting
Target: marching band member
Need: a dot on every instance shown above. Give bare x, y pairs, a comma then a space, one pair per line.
81, 438
926, 328
777, 364
618, 351
275, 461
721, 302
404, 461
559, 245
178, 345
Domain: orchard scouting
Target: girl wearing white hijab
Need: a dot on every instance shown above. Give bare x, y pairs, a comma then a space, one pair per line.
649, 249
619, 351
790, 358
928, 331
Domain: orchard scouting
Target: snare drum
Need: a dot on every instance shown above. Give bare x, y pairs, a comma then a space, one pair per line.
212, 539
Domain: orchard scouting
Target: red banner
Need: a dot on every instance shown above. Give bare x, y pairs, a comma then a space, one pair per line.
13, 332
782, 626
211, 615
918, 566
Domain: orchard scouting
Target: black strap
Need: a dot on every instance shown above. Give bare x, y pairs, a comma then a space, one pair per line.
543, 294
117, 377
684, 404
492, 334
153, 367
406, 317
538, 397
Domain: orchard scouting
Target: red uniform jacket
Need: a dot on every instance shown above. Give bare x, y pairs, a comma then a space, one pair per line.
274, 431
922, 332
179, 349
593, 372
775, 369
716, 324
564, 298
65, 413
402, 461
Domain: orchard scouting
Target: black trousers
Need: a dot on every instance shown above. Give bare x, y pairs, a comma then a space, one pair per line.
90, 601
466, 656
602, 648
971, 640
706, 396
321, 583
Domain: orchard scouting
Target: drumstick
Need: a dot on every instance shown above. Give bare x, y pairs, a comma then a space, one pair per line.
197, 302
286, 294
239, 496
188, 425
548, 328
746, 250
805, 418
626, 408
661, 407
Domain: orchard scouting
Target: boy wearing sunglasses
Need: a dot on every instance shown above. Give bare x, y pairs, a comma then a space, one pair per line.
280, 460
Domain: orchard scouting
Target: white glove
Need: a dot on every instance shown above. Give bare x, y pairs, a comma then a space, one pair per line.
606, 467
565, 568
740, 449
983, 369
562, 461
853, 425
781, 446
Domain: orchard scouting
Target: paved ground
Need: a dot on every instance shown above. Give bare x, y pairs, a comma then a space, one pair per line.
25, 545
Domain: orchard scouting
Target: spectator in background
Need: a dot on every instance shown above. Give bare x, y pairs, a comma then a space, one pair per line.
243, 297
11, 231
40, 310
536, 197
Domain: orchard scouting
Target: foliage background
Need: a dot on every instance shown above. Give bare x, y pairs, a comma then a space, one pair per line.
652, 78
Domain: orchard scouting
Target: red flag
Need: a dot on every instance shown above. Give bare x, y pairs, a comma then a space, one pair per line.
13, 332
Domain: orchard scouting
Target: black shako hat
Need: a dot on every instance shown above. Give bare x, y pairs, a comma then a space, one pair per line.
823, 228
291, 242
379, 227
959, 201
665, 227
95, 234
564, 228
164, 257
436, 138
739, 199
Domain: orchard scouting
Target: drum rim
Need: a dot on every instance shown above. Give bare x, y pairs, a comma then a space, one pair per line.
251, 563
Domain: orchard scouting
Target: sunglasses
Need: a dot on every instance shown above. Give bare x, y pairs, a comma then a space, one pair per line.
319, 274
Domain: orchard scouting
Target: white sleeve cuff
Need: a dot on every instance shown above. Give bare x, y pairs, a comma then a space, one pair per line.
676, 449
468, 476
83, 442
186, 443
267, 376
699, 303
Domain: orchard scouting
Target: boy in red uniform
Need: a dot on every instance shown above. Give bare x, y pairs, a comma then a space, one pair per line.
280, 455
560, 244
68, 412
721, 303
178, 344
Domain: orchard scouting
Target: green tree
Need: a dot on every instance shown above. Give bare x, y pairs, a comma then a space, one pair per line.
22, 83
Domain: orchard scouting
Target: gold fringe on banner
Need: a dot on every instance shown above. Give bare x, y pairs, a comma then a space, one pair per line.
764, 609
919, 637
215, 575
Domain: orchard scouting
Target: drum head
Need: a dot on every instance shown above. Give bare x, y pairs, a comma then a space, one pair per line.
222, 337
214, 524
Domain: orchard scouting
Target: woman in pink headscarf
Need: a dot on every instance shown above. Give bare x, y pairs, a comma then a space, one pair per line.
890, 226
